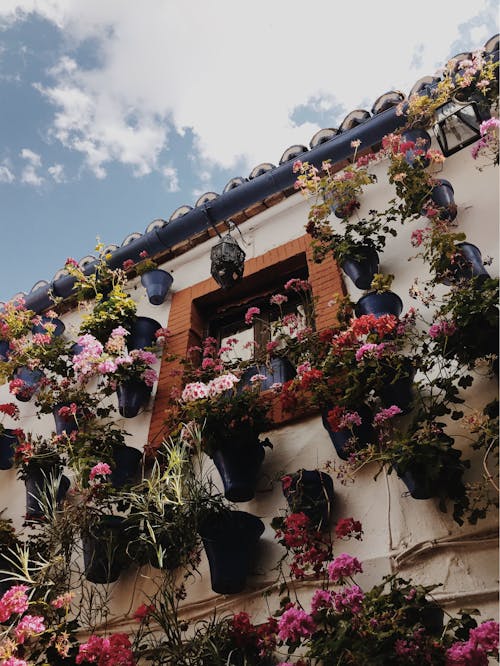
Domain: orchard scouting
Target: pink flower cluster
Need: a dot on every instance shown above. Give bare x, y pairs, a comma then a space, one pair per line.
294, 624
113, 651
343, 566
386, 414
474, 652
348, 599
371, 349
14, 600
30, 625
442, 328
216, 386
101, 469
250, 314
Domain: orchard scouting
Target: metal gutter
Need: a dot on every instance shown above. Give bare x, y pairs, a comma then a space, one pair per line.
370, 132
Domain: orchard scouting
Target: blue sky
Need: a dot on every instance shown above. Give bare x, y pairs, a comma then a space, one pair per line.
114, 113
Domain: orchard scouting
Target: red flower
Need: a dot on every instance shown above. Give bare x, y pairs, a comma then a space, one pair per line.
347, 527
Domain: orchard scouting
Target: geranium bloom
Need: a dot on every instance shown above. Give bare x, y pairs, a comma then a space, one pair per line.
466, 654
278, 299
128, 263
194, 391
221, 384
321, 599
348, 599
29, 625
342, 566
250, 314
149, 376
14, 600
442, 329
10, 409
386, 414
486, 635
347, 527
143, 611
63, 600
258, 378
101, 469
14, 661
294, 624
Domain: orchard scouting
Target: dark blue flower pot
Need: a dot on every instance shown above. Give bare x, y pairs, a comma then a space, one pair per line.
63, 287
127, 465
419, 485
444, 197
281, 371
8, 443
38, 490
142, 333
67, 425
377, 304
362, 271
31, 379
341, 439
238, 465
230, 542
41, 327
311, 492
468, 265
157, 283
4, 350
132, 395
103, 550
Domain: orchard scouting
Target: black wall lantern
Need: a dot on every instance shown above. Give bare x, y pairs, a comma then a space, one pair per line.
228, 262
457, 125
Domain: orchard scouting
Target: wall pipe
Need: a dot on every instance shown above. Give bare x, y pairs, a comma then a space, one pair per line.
370, 132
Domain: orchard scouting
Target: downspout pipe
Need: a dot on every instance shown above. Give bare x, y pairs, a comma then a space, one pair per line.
199, 219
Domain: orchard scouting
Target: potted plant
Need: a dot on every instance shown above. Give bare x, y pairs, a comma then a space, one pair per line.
156, 281
8, 437
232, 423
230, 540
310, 492
381, 301
40, 464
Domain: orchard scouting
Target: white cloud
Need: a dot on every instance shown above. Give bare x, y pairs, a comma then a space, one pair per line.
57, 173
29, 174
6, 175
33, 158
233, 76
171, 178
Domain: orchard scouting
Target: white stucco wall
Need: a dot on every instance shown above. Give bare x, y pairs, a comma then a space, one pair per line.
400, 532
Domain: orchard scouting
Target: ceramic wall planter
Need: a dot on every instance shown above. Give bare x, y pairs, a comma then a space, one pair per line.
157, 284
127, 465
281, 371
230, 542
142, 333
103, 552
341, 439
31, 380
4, 350
362, 271
8, 443
468, 265
132, 396
238, 464
38, 490
379, 304
310, 492
345, 211
64, 424
443, 197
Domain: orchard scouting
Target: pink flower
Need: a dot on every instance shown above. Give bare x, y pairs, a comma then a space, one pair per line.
13, 601
348, 599
101, 469
194, 391
149, 376
365, 349
386, 414
321, 599
63, 600
221, 384
466, 654
30, 625
442, 328
486, 635
342, 566
144, 254
258, 378
128, 263
14, 661
278, 299
119, 332
303, 367
250, 314
143, 611
71, 262
294, 624
349, 420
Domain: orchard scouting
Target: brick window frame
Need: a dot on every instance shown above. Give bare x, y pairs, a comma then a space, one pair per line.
187, 323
